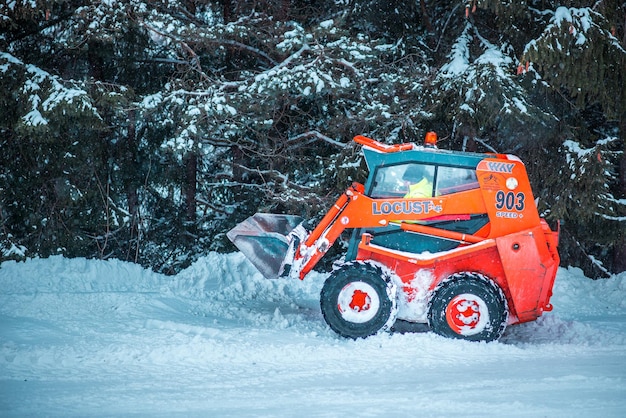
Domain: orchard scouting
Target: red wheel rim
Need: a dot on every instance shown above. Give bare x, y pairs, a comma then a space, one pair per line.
467, 314
358, 302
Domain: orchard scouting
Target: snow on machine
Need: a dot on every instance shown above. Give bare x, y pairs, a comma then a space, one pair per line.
444, 238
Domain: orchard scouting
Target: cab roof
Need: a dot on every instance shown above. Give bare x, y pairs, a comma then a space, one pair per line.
380, 155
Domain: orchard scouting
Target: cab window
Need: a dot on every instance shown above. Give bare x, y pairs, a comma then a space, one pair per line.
395, 181
455, 179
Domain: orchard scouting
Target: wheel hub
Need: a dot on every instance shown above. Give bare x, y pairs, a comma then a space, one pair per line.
467, 314
358, 302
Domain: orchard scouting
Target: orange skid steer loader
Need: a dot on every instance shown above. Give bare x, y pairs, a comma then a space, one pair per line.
449, 239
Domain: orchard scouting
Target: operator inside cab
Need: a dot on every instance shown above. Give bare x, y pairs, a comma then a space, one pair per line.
419, 181
419, 178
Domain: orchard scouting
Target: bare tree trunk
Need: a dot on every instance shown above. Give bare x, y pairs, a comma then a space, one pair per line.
190, 5
190, 187
96, 63
283, 10
131, 189
238, 161
227, 10
619, 256
425, 18
129, 154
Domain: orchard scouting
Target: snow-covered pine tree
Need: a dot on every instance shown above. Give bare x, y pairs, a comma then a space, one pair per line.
46, 180
569, 79
578, 56
478, 94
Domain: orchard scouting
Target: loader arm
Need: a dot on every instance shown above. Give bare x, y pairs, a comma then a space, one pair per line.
354, 209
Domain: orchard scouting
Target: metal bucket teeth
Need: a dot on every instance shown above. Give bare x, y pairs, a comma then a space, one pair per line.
263, 239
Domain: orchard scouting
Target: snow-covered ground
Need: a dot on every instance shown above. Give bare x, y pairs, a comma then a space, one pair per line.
106, 338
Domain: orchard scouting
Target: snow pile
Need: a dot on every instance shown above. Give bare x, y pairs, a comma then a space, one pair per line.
90, 338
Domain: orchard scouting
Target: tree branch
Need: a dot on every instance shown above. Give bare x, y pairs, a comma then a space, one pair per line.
315, 135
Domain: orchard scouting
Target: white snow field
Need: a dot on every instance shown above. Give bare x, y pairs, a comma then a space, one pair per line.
107, 338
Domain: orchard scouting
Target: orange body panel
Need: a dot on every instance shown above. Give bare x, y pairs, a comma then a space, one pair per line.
507, 196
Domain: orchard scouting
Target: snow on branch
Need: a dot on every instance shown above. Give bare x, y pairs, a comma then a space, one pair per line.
458, 59
311, 136
569, 28
275, 178
44, 92
590, 169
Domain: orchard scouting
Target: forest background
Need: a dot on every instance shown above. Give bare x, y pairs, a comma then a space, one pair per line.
144, 130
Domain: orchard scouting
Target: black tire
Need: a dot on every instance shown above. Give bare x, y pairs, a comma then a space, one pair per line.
359, 300
468, 306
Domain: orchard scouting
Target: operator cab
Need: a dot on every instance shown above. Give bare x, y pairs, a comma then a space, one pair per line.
421, 172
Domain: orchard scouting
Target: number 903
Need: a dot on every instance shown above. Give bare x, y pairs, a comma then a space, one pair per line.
510, 200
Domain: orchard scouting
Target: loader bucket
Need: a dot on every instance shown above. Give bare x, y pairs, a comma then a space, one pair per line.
262, 238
